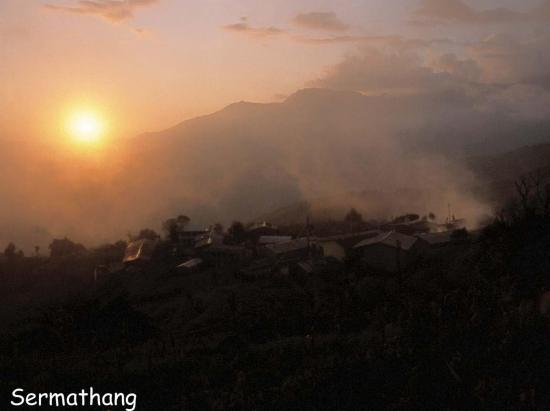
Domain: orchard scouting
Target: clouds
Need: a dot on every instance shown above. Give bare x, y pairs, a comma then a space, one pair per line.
374, 71
465, 69
320, 21
243, 27
394, 62
482, 88
457, 11
521, 101
316, 21
507, 60
111, 10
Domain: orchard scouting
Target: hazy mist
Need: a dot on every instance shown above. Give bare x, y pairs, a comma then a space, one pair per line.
388, 129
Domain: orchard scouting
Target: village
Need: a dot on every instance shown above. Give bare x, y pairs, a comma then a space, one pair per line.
264, 250
264, 315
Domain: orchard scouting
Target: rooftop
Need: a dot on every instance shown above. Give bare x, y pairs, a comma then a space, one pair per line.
437, 238
139, 250
344, 237
289, 246
391, 239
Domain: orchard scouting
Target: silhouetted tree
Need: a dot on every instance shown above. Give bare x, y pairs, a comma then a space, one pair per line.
460, 235
173, 226
146, 234
63, 247
109, 253
9, 252
533, 193
171, 229
237, 232
353, 216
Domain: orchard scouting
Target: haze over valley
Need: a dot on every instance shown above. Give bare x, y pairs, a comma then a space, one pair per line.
395, 122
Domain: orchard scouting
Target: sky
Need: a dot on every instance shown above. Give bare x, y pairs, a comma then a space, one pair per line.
149, 64
433, 75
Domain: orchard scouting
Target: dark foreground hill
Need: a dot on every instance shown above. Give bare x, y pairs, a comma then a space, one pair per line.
466, 328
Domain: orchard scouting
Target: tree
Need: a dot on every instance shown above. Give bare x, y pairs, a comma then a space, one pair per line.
146, 234
531, 200
237, 232
9, 252
170, 227
63, 247
110, 253
174, 226
533, 193
460, 235
431, 216
353, 216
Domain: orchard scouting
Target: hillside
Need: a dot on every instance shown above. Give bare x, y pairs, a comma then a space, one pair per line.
494, 182
498, 173
247, 160
456, 328
250, 159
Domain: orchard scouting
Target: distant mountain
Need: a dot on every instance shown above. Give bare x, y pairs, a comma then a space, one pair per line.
498, 173
323, 149
494, 183
250, 159
511, 165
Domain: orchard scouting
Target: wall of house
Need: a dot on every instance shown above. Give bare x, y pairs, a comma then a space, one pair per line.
333, 249
384, 258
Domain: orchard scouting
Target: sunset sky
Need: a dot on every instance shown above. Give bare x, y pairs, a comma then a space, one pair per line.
149, 64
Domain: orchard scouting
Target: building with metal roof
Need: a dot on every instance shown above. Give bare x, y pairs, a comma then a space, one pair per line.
273, 239
389, 252
436, 240
139, 251
340, 246
289, 250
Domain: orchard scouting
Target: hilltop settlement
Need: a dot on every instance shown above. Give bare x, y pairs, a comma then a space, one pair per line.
405, 314
265, 250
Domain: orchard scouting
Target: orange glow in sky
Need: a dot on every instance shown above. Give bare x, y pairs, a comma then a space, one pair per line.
86, 127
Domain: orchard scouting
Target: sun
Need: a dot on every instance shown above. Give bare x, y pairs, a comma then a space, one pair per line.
86, 127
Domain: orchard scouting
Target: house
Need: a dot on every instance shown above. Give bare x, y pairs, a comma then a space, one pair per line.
340, 246
411, 224
448, 238
219, 254
140, 251
189, 235
273, 239
453, 224
209, 239
303, 267
437, 240
258, 268
264, 228
190, 265
290, 250
389, 251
